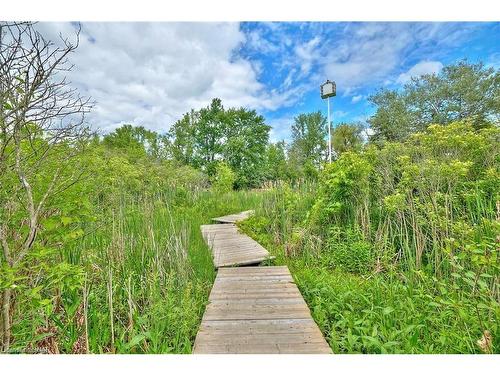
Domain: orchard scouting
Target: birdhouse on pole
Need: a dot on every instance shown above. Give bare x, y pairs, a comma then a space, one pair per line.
328, 89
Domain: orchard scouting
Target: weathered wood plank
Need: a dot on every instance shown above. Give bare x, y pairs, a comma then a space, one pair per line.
257, 310
232, 248
307, 348
234, 217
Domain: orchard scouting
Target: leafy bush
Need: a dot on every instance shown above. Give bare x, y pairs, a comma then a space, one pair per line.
411, 199
224, 178
396, 250
395, 313
348, 251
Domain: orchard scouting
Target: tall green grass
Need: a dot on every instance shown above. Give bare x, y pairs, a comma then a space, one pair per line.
365, 306
144, 275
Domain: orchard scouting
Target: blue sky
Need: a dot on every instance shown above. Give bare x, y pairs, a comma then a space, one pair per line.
149, 74
360, 57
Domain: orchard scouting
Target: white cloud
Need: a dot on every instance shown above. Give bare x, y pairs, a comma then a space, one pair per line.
280, 128
421, 68
260, 43
493, 61
289, 79
356, 98
367, 133
151, 73
307, 54
371, 54
368, 53
338, 115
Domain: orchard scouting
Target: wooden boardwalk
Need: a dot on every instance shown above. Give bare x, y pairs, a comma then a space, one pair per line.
258, 310
232, 248
253, 309
234, 218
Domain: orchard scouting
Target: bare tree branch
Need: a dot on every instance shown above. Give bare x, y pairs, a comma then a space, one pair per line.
42, 123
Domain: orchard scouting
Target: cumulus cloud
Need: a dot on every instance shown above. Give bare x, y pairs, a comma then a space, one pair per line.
151, 73
421, 68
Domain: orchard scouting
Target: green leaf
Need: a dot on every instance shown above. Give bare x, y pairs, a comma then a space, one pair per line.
387, 310
65, 220
136, 340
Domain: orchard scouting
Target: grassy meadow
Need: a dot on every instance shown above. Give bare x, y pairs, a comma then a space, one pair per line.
136, 282
407, 263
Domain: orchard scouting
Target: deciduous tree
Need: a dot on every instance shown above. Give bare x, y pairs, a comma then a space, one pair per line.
459, 91
41, 130
347, 137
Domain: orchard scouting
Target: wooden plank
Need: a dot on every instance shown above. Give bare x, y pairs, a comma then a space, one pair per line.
232, 248
311, 348
234, 217
253, 296
257, 310
256, 327
262, 338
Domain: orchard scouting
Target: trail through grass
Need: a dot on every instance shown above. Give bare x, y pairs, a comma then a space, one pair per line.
145, 279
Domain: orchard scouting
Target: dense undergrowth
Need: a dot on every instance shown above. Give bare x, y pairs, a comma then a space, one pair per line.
137, 281
396, 249
119, 264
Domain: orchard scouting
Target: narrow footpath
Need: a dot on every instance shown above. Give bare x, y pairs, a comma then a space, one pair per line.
255, 310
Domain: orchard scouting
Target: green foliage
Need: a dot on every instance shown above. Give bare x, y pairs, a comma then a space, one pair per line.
347, 137
309, 133
396, 249
136, 142
224, 178
236, 136
120, 244
411, 198
245, 149
147, 249
348, 251
393, 120
459, 91
343, 184
395, 313
276, 162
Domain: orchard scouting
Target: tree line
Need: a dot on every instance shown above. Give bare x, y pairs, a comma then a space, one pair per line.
239, 137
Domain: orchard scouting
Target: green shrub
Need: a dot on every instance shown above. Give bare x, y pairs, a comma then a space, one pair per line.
350, 253
224, 178
408, 243
410, 199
